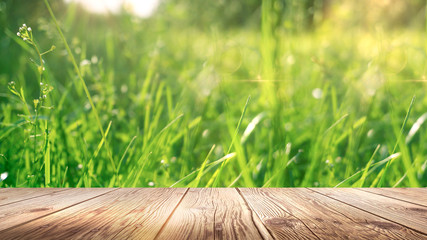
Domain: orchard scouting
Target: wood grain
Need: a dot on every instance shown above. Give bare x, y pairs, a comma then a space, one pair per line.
11, 195
407, 214
146, 220
244, 213
211, 214
412, 195
20, 212
121, 214
280, 222
359, 217
325, 219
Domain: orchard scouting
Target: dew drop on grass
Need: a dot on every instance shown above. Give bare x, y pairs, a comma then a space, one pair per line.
317, 93
290, 60
370, 133
124, 88
3, 176
205, 133
288, 148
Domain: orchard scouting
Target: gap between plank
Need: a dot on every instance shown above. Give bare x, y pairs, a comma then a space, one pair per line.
214, 221
282, 210
37, 218
256, 216
173, 211
1, 205
391, 197
374, 229
369, 212
151, 213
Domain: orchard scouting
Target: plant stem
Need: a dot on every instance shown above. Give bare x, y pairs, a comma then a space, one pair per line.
82, 81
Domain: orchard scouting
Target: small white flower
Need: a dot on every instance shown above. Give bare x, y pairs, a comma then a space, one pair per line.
151, 184
24, 25
85, 62
41, 84
18, 33
44, 96
29, 29
25, 39
94, 59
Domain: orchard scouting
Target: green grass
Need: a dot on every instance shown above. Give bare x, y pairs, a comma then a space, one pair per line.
153, 103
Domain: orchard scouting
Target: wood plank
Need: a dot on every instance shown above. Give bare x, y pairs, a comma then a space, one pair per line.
407, 214
146, 221
234, 219
11, 195
213, 213
30, 209
280, 222
358, 217
412, 195
121, 214
210, 214
318, 215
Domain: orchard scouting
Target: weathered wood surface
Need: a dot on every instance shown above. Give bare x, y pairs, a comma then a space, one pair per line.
242, 213
407, 214
12, 195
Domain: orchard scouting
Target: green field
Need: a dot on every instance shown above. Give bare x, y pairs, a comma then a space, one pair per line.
214, 94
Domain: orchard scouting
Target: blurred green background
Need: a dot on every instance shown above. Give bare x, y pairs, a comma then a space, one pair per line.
290, 93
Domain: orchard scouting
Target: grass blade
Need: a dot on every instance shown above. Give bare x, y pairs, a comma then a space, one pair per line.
82, 81
384, 171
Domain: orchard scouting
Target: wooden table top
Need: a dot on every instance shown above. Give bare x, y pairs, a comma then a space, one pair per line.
223, 213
